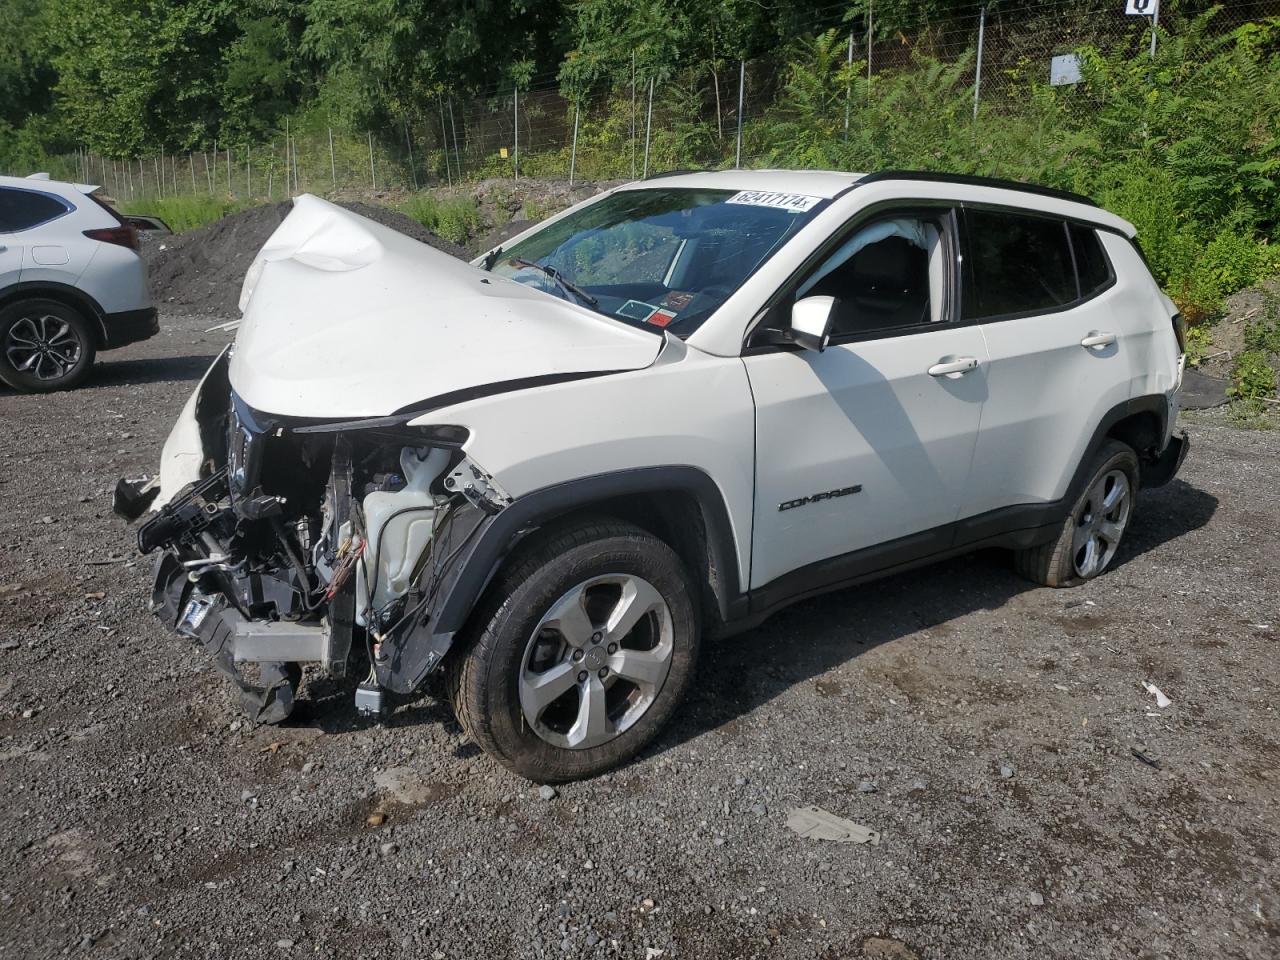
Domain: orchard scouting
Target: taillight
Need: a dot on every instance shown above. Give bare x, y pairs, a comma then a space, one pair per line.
123, 235
1180, 331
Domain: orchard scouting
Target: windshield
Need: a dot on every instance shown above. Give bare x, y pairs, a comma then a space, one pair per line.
658, 258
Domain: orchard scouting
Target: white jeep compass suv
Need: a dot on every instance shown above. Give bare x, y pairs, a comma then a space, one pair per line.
666, 412
71, 283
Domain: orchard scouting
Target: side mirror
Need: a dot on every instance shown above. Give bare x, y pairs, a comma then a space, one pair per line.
811, 322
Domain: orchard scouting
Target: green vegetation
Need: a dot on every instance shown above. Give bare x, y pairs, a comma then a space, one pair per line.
1252, 377
1253, 372
1186, 146
454, 218
184, 213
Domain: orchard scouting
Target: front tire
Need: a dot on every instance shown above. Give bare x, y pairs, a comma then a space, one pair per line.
1090, 536
583, 652
44, 346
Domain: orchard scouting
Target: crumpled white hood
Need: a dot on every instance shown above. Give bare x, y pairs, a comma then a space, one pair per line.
346, 318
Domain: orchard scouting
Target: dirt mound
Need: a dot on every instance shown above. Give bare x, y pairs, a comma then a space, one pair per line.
202, 270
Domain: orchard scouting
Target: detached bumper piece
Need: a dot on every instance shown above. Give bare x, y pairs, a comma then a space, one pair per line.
1166, 466
278, 647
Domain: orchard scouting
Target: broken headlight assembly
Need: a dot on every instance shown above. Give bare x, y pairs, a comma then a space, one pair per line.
310, 542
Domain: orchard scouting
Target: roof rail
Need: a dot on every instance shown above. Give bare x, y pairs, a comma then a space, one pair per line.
961, 178
671, 173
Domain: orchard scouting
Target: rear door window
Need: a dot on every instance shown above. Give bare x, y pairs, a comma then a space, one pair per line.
23, 209
1018, 264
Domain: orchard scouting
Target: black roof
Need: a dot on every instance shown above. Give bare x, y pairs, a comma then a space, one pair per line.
967, 180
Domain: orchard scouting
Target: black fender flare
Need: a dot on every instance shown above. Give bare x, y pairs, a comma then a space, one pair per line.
464, 582
540, 506
62, 292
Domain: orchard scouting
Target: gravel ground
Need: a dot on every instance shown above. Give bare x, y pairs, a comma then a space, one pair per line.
983, 726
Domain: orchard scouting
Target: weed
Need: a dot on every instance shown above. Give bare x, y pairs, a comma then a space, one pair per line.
1198, 344
1252, 376
453, 218
183, 213
1252, 415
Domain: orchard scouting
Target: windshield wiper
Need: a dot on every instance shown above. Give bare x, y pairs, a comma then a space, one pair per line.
564, 283
492, 258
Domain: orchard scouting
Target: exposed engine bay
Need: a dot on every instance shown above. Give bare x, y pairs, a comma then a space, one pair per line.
307, 541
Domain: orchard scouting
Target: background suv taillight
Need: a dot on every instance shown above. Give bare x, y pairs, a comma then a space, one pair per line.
123, 235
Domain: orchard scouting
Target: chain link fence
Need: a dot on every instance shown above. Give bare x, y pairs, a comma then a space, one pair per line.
699, 116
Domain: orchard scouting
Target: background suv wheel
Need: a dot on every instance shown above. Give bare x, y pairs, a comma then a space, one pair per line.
582, 654
1091, 534
44, 345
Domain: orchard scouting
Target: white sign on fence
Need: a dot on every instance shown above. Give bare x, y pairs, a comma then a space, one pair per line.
1064, 70
1141, 8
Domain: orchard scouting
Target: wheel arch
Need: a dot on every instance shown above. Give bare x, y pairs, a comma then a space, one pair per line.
62, 293
1140, 422
681, 505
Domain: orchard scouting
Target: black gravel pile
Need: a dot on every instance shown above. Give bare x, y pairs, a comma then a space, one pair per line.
202, 270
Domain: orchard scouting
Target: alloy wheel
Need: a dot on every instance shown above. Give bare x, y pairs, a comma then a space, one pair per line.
596, 661
45, 346
1100, 523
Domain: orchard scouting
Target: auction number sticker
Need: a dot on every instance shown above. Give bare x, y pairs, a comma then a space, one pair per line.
782, 201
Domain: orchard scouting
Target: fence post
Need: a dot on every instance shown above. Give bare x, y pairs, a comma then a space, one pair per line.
208, 174
573, 153
515, 167
869, 20
248, 171
742, 80
457, 154
191, 161
409, 143
848, 90
373, 173
160, 171
231, 187
333, 164
444, 142
287, 155
297, 184
977, 79
648, 126
1155, 21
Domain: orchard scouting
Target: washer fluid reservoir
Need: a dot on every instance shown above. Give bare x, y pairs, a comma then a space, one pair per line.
400, 523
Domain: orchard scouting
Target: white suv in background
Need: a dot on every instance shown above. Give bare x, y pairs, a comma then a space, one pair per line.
668, 411
71, 283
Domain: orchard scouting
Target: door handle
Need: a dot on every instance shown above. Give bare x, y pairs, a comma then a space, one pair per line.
1098, 339
3, 248
953, 368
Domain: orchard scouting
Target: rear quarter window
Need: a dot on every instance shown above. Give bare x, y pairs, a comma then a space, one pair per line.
24, 209
1017, 264
1092, 265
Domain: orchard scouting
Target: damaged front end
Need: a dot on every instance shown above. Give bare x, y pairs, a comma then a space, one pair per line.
307, 542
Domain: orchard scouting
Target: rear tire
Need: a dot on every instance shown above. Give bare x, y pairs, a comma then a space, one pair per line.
1091, 534
581, 655
45, 345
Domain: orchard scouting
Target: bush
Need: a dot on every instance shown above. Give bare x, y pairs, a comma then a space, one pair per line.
453, 218
1230, 262
1263, 334
1252, 376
